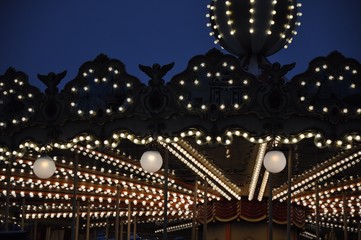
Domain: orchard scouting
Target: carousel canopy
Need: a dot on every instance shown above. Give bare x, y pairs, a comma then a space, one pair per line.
214, 120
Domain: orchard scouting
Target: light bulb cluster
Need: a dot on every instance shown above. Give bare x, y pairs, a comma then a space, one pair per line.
333, 225
102, 224
348, 73
96, 186
308, 235
201, 138
218, 77
263, 186
230, 21
292, 8
256, 170
195, 170
135, 170
14, 89
223, 20
334, 198
111, 83
143, 215
319, 172
214, 172
175, 228
213, 18
252, 20
203, 168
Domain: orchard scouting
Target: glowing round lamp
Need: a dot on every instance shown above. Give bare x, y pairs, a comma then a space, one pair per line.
274, 161
44, 167
151, 161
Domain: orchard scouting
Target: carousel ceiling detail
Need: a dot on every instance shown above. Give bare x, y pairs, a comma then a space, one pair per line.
214, 102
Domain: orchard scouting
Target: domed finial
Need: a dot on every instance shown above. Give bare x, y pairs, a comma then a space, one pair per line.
253, 29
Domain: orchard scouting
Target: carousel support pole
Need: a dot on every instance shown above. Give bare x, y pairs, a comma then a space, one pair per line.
23, 215
270, 207
129, 220
195, 197
117, 214
317, 212
359, 230
344, 208
35, 230
107, 229
135, 228
165, 216
48, 233
121, 230
75, 190
289, 176
87, 237
77, 228
205, 210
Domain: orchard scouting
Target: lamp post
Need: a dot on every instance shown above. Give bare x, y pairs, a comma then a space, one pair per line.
151, 161
165, 224
274, 161
289, 176
270, 208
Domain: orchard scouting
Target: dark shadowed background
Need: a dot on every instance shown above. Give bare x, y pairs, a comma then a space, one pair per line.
43, 36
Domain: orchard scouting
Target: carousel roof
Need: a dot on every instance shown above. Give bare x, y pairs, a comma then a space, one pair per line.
214, 121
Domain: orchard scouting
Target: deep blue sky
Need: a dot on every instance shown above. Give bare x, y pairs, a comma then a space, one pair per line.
41, 36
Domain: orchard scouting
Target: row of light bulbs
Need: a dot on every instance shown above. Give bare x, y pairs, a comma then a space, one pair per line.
90, 73
92, 142
256, 170
205, 162
19, 95
183, 98
332, 199
209, 173
175, 228
46, 192
81, 148
263, 185
103, 157
332, 226
331, 77
329, 189
195, 169
142, 214
252, 20
155, 219
320, 172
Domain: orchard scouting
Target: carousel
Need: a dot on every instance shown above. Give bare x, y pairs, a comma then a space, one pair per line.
230, 148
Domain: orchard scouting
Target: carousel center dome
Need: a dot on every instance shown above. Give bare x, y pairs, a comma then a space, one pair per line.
253, 28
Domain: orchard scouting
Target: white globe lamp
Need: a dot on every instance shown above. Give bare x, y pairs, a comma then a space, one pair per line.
44, 167
151, 161
274, 161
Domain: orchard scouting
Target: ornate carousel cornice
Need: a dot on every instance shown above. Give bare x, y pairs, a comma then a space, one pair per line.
212, 100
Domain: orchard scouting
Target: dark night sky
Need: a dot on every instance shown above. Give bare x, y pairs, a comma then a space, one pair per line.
43, 36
